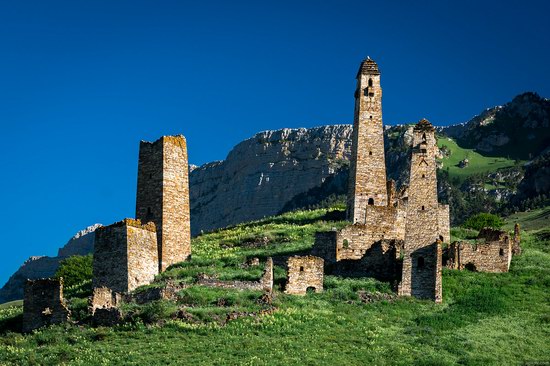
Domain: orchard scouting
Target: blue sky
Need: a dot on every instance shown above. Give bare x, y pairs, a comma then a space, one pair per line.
81, 82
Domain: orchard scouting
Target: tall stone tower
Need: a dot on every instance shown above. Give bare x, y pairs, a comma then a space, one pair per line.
367, 181
422, 261
163, 196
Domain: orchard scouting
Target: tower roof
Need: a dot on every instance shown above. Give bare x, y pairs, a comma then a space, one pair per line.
424, 125
368, 67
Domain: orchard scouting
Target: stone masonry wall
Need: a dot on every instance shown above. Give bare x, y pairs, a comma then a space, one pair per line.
163, 196
304, 273
264, 284
44, 304
103, 298
125, 255
444, 223
491, 256
422, 254
367, 183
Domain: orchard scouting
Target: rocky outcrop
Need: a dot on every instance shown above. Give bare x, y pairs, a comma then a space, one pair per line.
263, 173
43, 267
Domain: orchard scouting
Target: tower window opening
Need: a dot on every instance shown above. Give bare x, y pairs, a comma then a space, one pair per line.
370, 82
423, 175
501, 252
423, 208
371, 201
301, 269
370, 152
370, 117
424, 137
149, 212
150, 175
420, 263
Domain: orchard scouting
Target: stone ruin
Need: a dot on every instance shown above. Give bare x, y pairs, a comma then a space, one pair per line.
491, 252
125, 255
264, 284
103, 305
305, 273
44, 304
395, 236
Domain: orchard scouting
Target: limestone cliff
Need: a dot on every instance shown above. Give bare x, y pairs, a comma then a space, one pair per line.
261, 174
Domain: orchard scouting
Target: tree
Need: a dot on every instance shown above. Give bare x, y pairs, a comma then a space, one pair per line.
481, 220
75, 269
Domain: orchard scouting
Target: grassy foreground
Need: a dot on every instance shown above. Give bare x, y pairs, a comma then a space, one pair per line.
485, 319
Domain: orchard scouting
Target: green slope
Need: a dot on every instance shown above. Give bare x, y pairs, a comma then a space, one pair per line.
477, 163
485, 319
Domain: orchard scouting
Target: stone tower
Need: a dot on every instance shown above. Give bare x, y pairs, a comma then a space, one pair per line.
422, 261
163, 196
367, 182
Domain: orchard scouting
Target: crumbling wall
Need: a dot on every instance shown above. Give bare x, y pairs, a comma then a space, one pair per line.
44, 304
444, 223
264, 284
163, 196
125, 255
492, 256
304, 273
103, 298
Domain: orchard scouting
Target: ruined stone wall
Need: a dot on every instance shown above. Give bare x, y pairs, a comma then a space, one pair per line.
125, 255
422, 254
444, 223
304, 273
491, 256
103, 298
367, 183
44, 304
163, 196
265, 283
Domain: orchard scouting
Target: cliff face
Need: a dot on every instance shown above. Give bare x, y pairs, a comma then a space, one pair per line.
263, 173
41, 267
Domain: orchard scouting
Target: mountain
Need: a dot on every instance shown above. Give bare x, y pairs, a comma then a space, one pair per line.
519, 129
42, 266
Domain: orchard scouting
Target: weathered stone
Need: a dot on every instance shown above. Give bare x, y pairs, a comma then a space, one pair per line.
492, 252
44, 304
103, 298
125, 255
367, 182
422, 248
304, 273
163, 196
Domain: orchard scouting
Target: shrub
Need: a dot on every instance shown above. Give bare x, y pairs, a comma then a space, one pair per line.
481, 220
75, 270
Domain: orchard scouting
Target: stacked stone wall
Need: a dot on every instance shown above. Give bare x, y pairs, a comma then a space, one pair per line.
444, 223
368, 166
44, 304
125, 256
265, 283
163, 196
304, 273
492, 256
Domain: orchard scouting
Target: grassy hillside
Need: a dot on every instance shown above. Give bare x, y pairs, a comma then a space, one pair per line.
485, 319
477, 163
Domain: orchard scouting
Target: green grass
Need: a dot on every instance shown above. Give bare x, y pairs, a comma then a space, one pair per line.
485, 319
477, 163
11, 304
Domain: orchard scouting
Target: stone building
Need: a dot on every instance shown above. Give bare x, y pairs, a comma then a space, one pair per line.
490, 252
422, 247
386, 225
125, 255
163, 196
367, 182
44, 304
304, 273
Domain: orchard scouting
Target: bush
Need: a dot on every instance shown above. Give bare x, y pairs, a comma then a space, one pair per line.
481, 220
75, 270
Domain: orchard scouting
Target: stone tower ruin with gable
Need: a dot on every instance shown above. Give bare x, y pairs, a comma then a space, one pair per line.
421, 276
163, 196
367, 183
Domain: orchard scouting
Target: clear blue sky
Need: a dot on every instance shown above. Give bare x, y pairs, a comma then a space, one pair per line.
81, 82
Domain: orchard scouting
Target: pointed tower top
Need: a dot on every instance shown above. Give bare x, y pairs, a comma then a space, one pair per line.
424, 125
368, 67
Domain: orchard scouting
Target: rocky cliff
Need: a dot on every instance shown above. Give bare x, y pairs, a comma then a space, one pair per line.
263, 173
